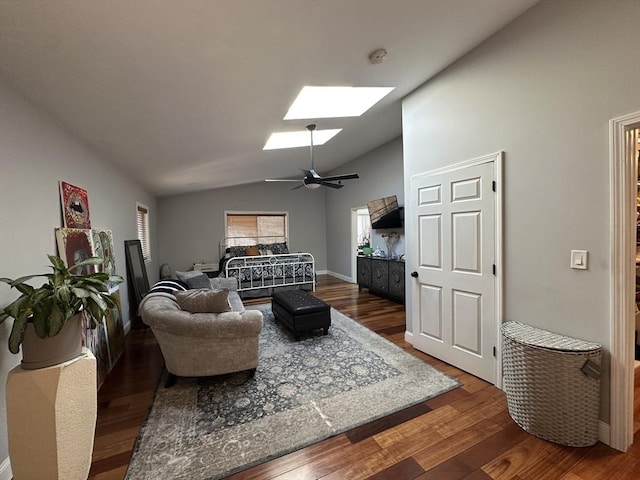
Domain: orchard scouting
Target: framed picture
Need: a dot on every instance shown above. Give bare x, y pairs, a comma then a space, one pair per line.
75, 206
75, 245
95, 339
103, 248
115, 329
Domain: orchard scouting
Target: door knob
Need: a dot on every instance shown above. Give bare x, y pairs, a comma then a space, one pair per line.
414, 274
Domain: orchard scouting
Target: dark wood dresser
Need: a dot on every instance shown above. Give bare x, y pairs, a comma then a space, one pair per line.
381, 276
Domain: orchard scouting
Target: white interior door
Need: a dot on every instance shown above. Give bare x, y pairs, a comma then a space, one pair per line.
453, 265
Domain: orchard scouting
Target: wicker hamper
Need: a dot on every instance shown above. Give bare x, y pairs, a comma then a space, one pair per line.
552, 384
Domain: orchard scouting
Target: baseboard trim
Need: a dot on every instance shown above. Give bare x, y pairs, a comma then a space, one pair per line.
338, 275
5, 470
408, 337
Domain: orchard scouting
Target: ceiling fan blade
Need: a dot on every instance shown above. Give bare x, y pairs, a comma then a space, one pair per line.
346, 176
313, 179
280, 180
330, 185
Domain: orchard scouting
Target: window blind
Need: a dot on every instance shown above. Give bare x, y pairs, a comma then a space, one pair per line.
142, 220
265, 227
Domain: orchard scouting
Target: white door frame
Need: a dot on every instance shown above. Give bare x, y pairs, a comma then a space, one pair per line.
354, 244
497, 158
623, 174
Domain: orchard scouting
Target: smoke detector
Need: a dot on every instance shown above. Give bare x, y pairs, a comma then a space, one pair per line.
378, 56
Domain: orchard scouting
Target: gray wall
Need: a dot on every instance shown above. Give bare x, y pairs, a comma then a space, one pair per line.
192, 225
543, 90
381, 175
34, 155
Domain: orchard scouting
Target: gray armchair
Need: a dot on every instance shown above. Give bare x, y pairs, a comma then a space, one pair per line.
203, 344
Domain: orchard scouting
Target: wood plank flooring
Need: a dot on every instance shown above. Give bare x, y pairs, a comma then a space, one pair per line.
465, 434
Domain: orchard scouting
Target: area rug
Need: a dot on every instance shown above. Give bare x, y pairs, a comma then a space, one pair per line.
303, 392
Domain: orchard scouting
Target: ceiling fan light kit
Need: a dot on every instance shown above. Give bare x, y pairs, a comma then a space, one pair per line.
312, 180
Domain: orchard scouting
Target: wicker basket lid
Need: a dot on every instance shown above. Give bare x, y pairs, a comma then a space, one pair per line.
529, 335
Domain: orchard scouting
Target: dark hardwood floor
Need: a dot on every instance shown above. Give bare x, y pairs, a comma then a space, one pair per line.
464, 434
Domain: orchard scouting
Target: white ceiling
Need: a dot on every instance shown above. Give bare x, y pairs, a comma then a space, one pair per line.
182, 94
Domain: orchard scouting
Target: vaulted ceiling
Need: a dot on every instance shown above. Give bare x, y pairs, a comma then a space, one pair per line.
182, 94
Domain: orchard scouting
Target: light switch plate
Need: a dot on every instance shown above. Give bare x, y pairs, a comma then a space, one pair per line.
579, 259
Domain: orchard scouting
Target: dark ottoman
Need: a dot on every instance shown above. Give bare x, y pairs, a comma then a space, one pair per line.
300, 311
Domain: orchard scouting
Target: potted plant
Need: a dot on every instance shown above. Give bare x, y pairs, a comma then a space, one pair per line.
55, 308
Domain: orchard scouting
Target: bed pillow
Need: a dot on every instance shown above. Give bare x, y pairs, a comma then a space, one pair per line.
204, 301
236, 251
194, 279
252, 251
278, 248
274, 248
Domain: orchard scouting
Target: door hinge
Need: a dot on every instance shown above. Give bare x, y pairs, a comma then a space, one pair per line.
493, 268
493, 185
494, 351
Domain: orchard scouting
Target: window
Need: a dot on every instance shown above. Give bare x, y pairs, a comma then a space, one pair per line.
364, 227
243, 228
142, 221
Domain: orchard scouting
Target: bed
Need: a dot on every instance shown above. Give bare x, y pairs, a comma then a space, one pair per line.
265, 264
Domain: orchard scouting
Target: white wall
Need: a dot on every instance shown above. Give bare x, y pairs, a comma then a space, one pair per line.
192, 225
35, 154
543, 90
381, 175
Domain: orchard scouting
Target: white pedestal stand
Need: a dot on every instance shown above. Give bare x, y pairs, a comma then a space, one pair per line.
51, 419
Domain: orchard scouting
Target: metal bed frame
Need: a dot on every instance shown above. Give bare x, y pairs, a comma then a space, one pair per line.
269, 271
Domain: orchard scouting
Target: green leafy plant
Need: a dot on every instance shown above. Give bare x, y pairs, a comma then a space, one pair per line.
51, 305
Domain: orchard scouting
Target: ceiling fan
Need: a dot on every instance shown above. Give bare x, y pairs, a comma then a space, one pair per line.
311, 178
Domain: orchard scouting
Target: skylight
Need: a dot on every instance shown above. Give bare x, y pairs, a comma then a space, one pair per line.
333, 102
300, 138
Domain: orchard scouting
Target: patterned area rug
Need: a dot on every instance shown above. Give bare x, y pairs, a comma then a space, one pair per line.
302, 393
